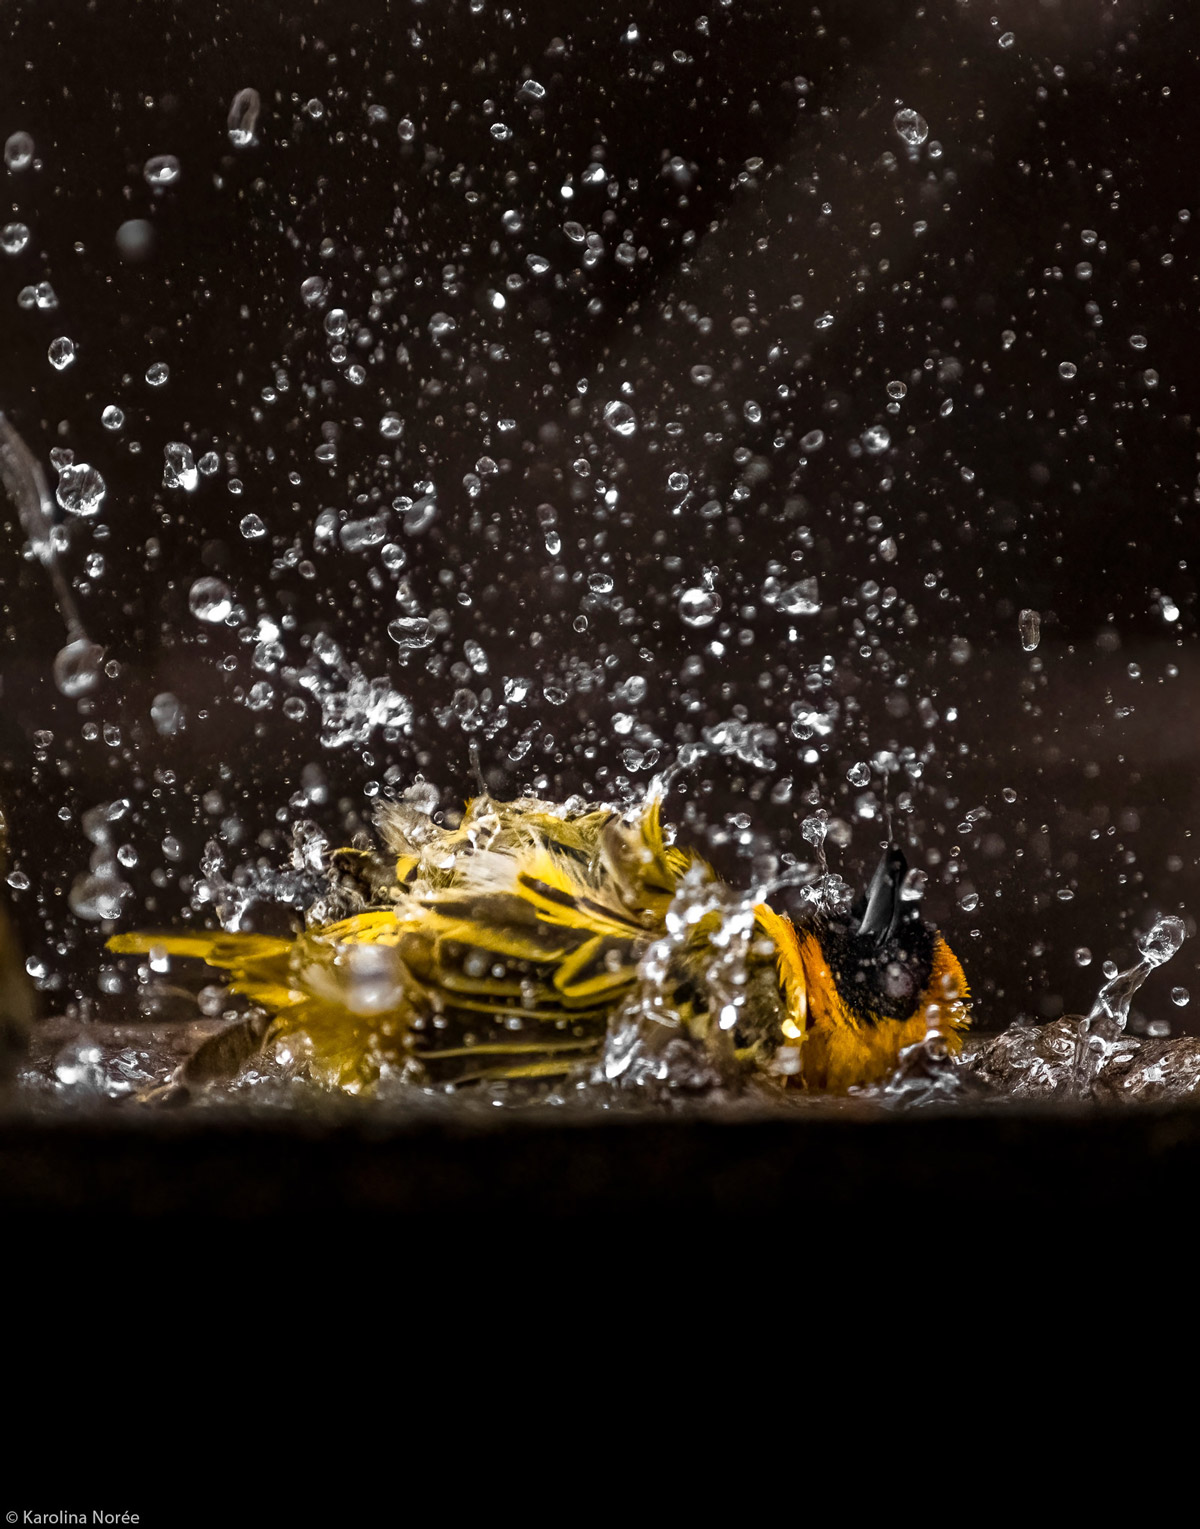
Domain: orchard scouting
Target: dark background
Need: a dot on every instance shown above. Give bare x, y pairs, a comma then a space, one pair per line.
752, 172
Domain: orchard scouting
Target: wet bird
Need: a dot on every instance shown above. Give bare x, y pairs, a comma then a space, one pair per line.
514, 944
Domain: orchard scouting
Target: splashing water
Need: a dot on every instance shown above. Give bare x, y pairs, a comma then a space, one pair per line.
1101, 1030
77, 665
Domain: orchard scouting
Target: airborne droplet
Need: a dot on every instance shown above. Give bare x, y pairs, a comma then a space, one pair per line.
210, 599
699, 607
911, 126
620, 418
162, 170
243, 117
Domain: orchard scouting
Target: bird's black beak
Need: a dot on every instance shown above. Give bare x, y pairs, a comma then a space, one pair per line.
883, 897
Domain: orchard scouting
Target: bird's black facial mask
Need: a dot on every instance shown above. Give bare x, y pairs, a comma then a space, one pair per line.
881, 956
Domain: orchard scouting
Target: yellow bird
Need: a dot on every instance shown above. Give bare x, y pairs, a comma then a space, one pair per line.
519, 943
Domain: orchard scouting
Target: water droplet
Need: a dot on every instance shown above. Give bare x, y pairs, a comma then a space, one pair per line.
313, 290
876, 439
179, 467
1138, 341
699, 607
896, 389
888, 549
677, 482
531, 90
1180, 997
162, 170
1163, 940
359, 535
98, 895
80, 489
823, 321
800, 599
911, 126
1007, 39
859, 774
18, 151
620, 418
243, 117
14, 237
912, 888
411, 632
210, 599
166, 712
77, 667
555, 695
538, 264
1029, 623
112, 418
61, 352
500, 131
701, 375
157, 373
1083, 956
600, 583
252, 527
813, 441
1067, 369
441, 327
969, 902
1084, 270
390, 426
420, 515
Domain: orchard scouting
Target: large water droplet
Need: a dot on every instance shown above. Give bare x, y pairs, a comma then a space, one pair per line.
77, 667
162, 170
61, 352
243, 117
411, 632
859, 774
911, 126
166, 712
420, 515
98, 896
18, 151
80, 489
1030, 626
699, 607
14, 237
620, 418
800, 599
179, 467
1163, 940
210, 599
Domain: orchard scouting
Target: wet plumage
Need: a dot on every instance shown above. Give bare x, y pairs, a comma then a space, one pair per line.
512, 945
